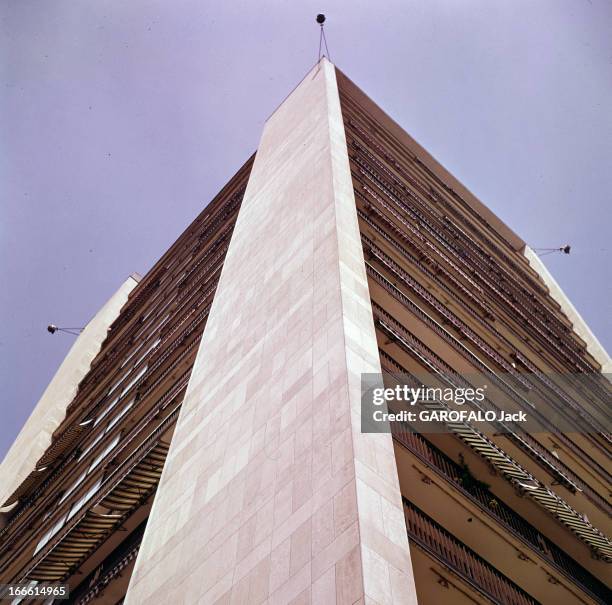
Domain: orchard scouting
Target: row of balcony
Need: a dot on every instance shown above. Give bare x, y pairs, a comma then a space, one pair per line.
495, 291
501, 512
563, 333
599, 543
120, 493
553, 465
475, 248
109, 569
463, 561
144, 386
372, 212
525, 383
437, 226
427, 188
98, 374
16, 531
467, 295
172, 327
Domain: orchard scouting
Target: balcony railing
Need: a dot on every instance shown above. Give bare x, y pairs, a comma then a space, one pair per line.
544, 386
463, 561
554, 466
19, 524
526, 383
439, 227
126, 487
470, 253
454, 473
427, 191
109, 569
449, 255
518, 476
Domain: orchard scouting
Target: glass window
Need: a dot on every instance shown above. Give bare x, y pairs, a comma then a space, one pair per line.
125, 361
118, 382
77, 482
160, 323
50, 533
90, 446
153, 345
120, 415
103, 453
130, 384
78, 505
106, 409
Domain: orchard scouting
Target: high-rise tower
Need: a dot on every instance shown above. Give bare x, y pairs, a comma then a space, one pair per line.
214, 452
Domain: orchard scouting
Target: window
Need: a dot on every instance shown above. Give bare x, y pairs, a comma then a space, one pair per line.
125, 361
77, 482
153, 345
156, 327
118, 382
130, 384
120, 415
153, 304
103, 453
161, 323
50, 533
106, 409
185, 263
91, 446
109, 426
78, 505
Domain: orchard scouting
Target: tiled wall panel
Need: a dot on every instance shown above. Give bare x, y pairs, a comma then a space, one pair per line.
270, 493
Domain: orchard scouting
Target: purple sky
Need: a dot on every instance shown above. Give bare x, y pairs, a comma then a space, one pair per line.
119, 121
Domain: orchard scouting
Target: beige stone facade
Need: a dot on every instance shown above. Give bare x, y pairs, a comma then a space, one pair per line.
270, 492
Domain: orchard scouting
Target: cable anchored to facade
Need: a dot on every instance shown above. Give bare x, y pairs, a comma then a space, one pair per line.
322, 39
52, 329
544, 251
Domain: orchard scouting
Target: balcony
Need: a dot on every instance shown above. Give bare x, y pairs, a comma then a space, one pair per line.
124, 490
463, 561
112, 567
599, 543
502, 513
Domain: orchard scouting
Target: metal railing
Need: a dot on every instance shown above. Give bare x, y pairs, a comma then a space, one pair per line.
462, 244
561, 472
486, 500
109, 569
517, 475
463, 561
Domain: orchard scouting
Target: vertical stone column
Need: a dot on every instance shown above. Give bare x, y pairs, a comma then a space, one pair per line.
270, 493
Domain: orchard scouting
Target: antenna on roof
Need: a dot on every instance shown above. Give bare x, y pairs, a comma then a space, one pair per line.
322, 39
52, 329
544, 251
